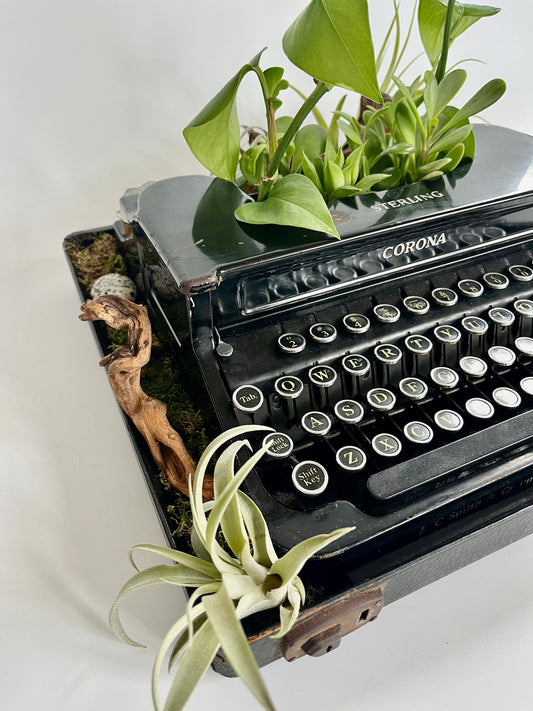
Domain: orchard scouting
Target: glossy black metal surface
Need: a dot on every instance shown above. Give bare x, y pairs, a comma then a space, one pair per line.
190, 220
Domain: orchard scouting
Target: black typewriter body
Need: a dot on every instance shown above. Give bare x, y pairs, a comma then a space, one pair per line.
394, 366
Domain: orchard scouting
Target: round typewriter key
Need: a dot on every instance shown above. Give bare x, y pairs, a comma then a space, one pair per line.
418, 432
524, 307
473, 366
444, 296
291, 342
323, 332
479, 407
507, 397
501, 317
386, 445
444, 377
388, 353
351, 458
416, 304
525, 345
323, 376
496, 280
381, 399
316, 423
247, 398
279, 444
310, 478
387, 313
502, 356
419, 345
356, 365
289, 386
521, 272
470, 287
475, 325
527, 385
448, 420
349, 411
356, 323
447, 334
413, 388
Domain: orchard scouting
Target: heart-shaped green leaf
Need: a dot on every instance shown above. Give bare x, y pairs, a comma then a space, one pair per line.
214, 134
293, 201
331, 40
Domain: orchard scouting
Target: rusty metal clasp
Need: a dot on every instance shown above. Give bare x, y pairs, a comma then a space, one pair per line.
322, 631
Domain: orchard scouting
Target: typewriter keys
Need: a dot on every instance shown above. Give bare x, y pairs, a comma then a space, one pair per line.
470, 287
525, 346
444, 377
521, 272
448, 420
291, 342
444, 297
356, 323
386, 445
280, 445
418, 432
323, 332
507, 397
387, 313
504, 357
527, 385
351, 458
416, 304
496, 280
247, 398
349, 411
413, 388
473, 366
479, 407
310, 478
289, 386
316, 423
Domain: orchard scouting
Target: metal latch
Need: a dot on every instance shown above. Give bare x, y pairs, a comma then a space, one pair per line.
322, 630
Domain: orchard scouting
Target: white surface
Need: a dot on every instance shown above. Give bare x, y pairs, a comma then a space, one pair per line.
93, 99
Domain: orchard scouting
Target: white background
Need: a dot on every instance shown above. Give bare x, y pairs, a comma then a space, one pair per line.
94, 96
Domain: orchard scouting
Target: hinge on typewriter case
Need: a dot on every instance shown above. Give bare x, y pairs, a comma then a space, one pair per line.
322, 630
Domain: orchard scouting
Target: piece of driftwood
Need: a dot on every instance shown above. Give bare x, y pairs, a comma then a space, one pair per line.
124, 373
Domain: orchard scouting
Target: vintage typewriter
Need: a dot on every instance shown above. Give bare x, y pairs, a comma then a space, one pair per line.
394, 366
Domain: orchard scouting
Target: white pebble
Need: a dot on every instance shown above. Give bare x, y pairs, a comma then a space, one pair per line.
116, 284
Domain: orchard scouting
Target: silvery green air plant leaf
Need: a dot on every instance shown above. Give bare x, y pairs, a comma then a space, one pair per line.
214, 134
229, 583
331, 40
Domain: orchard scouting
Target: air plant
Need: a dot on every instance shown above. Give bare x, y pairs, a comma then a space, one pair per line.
229, 582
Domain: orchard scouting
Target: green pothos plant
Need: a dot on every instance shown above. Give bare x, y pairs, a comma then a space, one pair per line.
229, 582
404, 132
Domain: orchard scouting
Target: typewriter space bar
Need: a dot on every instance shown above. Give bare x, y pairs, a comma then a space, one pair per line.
427, 471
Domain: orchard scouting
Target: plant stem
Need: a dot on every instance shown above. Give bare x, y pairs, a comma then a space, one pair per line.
305, 109
441, 69
269, 110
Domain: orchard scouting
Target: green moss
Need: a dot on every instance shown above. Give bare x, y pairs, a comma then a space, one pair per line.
92, 257
160, 379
